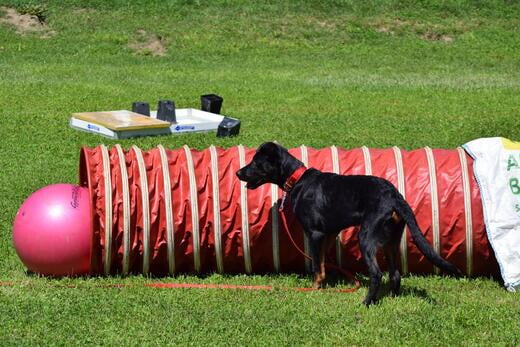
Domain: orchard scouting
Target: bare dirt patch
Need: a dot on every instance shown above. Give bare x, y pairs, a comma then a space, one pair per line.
386, 26
433, 36
25, 23
148, 44
426, 31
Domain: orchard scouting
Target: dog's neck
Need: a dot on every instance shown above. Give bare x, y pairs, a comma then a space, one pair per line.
292, 170
293, 178
288, 165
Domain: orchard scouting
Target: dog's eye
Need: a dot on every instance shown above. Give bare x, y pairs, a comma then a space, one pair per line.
267, 167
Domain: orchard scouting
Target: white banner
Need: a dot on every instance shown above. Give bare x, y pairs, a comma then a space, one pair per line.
497, 170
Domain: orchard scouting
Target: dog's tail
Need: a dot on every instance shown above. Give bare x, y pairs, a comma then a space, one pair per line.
405, 211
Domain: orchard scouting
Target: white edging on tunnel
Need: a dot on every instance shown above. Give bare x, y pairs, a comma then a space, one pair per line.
401, 187
126, 209
194, 208
244, 210
434, 201
168, 206
468, 213
216, 208
143, 179
108, 209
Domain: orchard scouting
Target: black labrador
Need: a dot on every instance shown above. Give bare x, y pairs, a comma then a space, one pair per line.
326, 203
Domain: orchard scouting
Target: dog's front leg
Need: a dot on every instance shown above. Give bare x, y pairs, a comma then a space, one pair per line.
317, 241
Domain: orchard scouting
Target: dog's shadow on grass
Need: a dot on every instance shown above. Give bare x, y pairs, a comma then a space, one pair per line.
409, 291
335, 281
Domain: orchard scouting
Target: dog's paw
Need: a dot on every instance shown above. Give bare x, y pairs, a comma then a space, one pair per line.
316, 285
367, 302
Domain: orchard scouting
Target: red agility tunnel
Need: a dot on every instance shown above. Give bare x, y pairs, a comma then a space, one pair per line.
184, 211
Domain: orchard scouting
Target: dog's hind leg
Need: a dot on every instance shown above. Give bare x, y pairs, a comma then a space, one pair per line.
326, 243
392, 255
318, 243
393, 233
368, 245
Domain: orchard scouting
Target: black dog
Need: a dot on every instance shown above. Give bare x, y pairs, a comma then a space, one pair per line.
326, 203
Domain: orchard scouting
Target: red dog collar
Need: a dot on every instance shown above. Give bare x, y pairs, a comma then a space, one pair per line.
295, 176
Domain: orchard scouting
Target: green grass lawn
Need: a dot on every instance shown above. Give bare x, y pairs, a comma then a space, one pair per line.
349, 73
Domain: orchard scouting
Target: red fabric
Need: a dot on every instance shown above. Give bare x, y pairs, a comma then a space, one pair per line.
417, 193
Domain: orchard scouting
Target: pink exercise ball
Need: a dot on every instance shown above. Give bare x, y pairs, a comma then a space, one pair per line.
52, 231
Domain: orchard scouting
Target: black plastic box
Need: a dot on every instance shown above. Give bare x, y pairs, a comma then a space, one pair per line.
166, 111
141, 107
211, 103
228, 127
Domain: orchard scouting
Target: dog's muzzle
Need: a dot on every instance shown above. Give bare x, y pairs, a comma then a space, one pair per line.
241, 174
252, 182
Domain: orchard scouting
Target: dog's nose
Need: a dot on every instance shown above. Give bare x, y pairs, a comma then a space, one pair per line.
240, 173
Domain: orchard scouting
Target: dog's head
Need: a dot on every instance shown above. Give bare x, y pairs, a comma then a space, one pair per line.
266, 166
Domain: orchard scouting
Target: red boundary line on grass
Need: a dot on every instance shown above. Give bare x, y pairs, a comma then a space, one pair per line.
196, 286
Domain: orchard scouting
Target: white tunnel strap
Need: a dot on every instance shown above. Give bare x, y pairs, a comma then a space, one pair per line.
275, 230
244, 210
275, 226
145, 201
194, 208
216, 209
402, 189
434, 201
468, 213
335, 168
275, 214
168, 206
126, 209
306, 244
367, 160
108, 209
